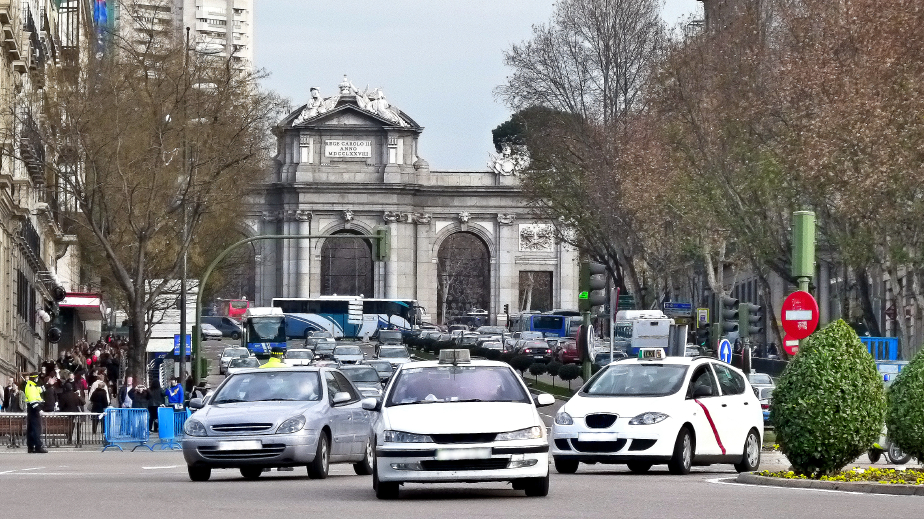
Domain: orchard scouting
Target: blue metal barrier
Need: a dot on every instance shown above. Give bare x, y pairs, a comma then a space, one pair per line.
170, 424
126, 426
882, 348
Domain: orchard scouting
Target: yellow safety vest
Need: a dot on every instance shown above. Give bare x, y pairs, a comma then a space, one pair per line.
274, 362
32, 392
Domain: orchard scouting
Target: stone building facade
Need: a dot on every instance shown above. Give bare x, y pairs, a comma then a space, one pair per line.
349, 163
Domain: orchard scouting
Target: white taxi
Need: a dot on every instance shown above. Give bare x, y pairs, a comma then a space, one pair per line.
655, 409
459, 420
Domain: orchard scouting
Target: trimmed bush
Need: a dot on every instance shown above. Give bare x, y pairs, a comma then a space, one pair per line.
552, 369
905, 408
829, 405
536, 369
492, 354
569, 372
521, 363
507, 356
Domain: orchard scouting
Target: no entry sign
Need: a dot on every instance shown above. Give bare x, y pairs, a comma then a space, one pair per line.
790, 345
800, 315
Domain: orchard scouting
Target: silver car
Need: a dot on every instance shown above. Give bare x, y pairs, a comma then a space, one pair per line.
348, 354
283, 417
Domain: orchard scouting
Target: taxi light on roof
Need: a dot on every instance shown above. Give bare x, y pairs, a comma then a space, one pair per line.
651, 353
455, 356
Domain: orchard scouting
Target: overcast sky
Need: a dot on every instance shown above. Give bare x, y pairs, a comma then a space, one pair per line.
436, 60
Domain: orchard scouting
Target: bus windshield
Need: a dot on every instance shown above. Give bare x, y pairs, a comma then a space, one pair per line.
266, 329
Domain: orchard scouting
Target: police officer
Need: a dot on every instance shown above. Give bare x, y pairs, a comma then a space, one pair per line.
34, 403
275, 360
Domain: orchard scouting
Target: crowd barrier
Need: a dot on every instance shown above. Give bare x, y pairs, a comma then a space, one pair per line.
170, 427
125, 425
58, 430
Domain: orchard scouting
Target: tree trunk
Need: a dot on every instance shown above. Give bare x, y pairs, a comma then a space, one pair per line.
866, 302
137, 355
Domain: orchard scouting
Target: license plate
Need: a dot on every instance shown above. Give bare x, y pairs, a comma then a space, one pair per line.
463, 454
598, 437
240, 445
539, 356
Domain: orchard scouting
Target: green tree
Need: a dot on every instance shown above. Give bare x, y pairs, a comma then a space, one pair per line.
536, 369
552, 368
521, 363
569, 372
905, 412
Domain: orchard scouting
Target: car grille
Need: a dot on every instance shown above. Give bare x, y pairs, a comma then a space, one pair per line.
268, 451
600, 421
640, 445
464, 438
562, 444
615, 446
488, 464
242, 428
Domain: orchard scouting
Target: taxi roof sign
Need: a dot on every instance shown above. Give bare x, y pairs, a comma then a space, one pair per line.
651, 353
455, 357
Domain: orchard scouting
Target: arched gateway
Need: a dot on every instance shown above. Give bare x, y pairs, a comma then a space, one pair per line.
348, 163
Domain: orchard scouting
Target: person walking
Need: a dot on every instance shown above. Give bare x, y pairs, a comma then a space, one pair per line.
34, 404
99, 401
125, 393
175, 393
13, 401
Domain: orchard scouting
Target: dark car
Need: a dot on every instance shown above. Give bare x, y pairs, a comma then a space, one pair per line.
226, 325
383, 367
602, 358
537, 349
567, 352
365, 378
389, 337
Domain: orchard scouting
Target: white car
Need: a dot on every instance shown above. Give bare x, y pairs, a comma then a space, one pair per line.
348, 354
459, 420
209, 332
396, 355
234, 352
298, 357
241, 364
675, 410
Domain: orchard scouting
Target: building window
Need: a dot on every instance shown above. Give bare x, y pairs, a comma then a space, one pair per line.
306, 149
463, 276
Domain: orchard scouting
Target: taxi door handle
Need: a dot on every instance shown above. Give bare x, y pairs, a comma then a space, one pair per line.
745, 403
724, 405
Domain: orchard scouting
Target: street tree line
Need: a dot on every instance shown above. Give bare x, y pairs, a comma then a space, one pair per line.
673, 159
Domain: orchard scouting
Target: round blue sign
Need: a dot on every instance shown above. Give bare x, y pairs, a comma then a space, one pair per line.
725, 351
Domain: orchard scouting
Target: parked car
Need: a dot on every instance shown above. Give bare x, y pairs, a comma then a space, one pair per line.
292, 407
348, 354
315, 338
209, 332
228, 354
383, 367
227, 326
240, 364
765, 395
760, 380
298, 357
365, 378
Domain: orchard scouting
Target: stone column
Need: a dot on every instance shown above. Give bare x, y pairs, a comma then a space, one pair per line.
391, 265
304, 253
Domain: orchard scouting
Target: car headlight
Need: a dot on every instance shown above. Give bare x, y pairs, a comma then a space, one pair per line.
648, 419
563, 418
291, 425
530, 433
194, 428
406, 437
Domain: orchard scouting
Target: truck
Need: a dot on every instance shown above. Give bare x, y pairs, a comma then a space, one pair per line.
635, 329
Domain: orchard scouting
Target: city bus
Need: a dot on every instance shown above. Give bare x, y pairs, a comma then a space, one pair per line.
263, 329
350, 317
233, 308
549, 325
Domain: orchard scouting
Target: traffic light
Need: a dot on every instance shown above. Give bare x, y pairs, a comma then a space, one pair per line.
702, 335
596, 298
750, 319
728, 315
382, 244
506, 309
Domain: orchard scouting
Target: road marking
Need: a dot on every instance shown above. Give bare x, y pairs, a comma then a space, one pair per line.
725, 481
164, 467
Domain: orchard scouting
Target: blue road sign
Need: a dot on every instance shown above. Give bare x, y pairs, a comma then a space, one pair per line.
176, 344
676, 308
725, 351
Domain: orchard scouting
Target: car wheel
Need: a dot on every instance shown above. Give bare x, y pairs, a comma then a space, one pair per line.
364, 467
896, 455
383, 489
235, 336
564, 466
682, 459
199, 473
537, 487
251, 472
319, 467
639, 467
750, 459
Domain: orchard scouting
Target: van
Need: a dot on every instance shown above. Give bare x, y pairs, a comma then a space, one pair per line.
226, 325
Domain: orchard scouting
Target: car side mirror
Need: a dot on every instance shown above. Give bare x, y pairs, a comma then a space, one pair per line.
544, 399
701, 391
196, 403
370, 404
342, 397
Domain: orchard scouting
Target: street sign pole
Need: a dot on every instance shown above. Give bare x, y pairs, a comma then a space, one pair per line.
614, 302
803, 248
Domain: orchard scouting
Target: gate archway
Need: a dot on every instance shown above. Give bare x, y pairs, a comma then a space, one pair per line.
346, 267
463, 276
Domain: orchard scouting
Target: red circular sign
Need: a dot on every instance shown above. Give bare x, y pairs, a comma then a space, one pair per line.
790, 345
800, 315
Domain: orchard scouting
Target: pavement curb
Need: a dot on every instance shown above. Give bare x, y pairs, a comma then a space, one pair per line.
866, 488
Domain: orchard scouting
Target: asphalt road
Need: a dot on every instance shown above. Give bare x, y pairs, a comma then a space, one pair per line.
142, 484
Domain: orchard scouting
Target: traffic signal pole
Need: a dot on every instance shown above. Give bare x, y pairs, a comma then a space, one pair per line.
803, 249
381, 239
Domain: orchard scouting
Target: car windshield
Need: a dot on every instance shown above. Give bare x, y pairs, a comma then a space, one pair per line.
320, 335
456, 384
469, 340
324, 347
393, 353
298, 354
389, 336
348, 350
234, 352
760, 378
264, 385
267, 329
361, 374
636, 379
249, 362
381, 366
764, 393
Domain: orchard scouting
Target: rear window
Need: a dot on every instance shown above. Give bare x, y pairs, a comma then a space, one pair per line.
235, 352
348, 350
364, 374
298, 354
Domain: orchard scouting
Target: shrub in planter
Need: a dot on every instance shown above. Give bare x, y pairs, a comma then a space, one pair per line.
536, 369
829, 405
492, 354
569, 372
507, 356
552, 369
905, 408
521, 363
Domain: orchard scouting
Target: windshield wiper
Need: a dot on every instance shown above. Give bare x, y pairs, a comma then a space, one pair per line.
275, 400
469, 400
229, 401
